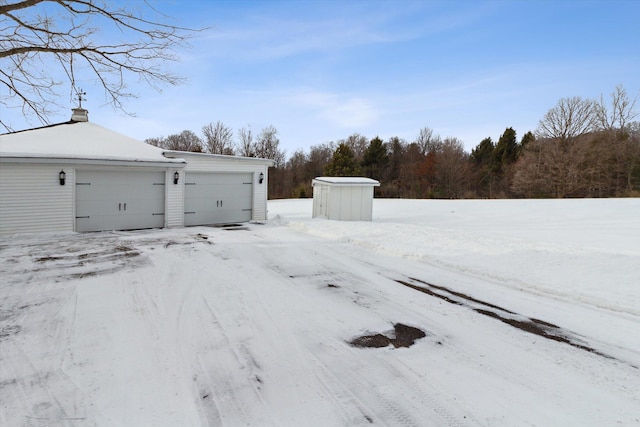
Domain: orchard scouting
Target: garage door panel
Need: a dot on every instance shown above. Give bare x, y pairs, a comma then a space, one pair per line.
119, 200
218, 198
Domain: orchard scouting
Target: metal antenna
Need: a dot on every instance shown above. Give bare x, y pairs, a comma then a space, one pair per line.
80, 93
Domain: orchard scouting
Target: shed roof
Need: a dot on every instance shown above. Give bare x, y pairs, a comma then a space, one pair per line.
346, 181
79, 141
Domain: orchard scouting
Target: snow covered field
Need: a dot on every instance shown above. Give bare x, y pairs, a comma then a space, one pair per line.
530, 311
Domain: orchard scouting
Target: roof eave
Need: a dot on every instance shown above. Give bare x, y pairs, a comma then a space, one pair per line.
259, 160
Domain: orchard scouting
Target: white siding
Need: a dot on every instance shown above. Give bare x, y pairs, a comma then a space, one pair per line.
32, 199
174, 213
260, 194
367, 204
342, 202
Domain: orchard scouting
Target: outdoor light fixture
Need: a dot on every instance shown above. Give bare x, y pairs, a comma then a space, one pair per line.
261, 177
62, 177
176, 175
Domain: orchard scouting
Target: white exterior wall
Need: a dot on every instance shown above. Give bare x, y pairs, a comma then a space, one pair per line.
174, 200
32, 199
342, 202
351, 203
204, 163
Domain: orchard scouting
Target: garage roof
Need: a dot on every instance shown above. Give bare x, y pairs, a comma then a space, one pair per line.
256, 160
346, 180
82, 140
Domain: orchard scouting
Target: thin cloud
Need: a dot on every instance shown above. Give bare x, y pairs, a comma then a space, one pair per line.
259, 37
340, 110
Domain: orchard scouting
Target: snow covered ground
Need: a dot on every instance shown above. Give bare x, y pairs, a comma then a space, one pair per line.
530, 310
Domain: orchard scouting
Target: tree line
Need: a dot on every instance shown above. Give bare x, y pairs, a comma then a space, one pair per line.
581, 148
217, 138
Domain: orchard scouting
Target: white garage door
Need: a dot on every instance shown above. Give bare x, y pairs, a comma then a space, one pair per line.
119, 200
217, 198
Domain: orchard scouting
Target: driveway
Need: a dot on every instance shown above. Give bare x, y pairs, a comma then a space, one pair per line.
258, 324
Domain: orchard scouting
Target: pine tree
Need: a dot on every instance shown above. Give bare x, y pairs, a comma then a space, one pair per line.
343, 162
482, 157
507, 148
375, 158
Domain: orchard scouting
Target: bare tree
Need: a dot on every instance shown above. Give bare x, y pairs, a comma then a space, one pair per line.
218, 138
547, 169
156, 141
245, 137
570, 118
427, 141
268, 146
358, 144
183, 141
614, 122
452, 168
319, 156
44, 43
622, 112
298, 183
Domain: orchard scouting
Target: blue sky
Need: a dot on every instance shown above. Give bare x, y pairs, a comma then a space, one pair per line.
320, 71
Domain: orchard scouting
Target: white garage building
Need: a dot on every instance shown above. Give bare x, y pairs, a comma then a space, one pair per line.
78, 176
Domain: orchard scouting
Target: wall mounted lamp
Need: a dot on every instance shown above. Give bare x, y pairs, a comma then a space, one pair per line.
176, 176
62, 176
261, 177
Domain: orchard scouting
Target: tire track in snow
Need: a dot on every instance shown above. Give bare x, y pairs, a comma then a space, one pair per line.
352, 410
38, 405
230, 392
368, 403
397, 410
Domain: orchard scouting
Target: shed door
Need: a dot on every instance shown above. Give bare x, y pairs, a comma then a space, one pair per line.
320, 200
217, 198
119, 200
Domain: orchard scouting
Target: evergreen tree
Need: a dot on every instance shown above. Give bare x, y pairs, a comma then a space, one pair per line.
343, 162
375, 158
482, 157
506, 149
526, 139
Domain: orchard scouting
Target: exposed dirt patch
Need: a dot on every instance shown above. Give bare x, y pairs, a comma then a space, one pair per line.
198, 238
523, 323
401, 336
49, 258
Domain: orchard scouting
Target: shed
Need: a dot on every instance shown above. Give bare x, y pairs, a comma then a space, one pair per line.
79, 176
343, 198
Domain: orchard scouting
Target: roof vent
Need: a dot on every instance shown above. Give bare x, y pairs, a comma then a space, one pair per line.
79, 115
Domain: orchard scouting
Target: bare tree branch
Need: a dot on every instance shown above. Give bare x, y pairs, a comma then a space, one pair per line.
218, 138
622, 112
73, 39
570, 118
